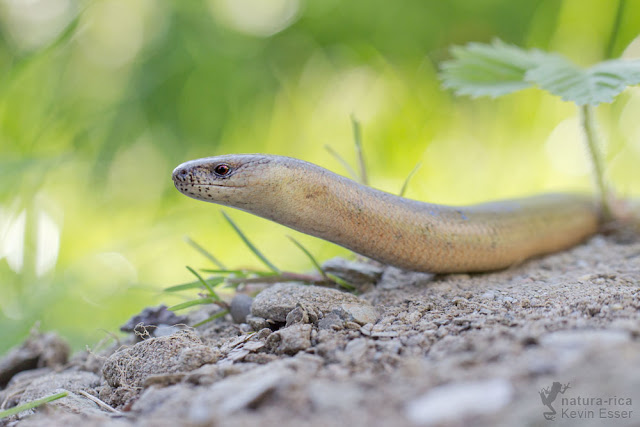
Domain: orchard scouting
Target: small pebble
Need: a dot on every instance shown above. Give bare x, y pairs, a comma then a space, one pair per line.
277, 301
240, 307
291, 340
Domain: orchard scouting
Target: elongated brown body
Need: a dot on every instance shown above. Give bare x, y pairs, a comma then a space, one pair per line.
397, 231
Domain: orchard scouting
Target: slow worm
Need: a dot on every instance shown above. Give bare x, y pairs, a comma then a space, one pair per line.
394, 230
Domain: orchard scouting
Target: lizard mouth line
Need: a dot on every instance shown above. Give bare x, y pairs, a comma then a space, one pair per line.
188, 185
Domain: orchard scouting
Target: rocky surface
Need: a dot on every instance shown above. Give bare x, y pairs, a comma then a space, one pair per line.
515, 347
37, 351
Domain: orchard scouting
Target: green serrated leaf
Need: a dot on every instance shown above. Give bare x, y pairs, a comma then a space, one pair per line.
490, 70
592, 86
499, 68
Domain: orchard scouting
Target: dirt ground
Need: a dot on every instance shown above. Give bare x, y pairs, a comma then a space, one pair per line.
555, 341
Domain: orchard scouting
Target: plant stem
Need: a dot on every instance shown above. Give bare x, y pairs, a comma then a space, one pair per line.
615, 29
588, 124
406, 181
205, 253
357, 137
352, 173
284, 276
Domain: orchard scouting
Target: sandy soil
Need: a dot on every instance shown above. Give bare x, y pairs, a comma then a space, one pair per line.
556, 337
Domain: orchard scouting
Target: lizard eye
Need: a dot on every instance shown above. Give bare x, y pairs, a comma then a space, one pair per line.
222, 169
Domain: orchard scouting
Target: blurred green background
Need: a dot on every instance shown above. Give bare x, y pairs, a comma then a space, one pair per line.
99, 102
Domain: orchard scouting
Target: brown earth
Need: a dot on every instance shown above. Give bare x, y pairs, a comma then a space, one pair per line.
480, 350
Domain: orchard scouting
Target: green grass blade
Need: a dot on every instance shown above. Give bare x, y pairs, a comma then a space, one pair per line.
194, 285
343, 162
242, 272
250, 245
222, 271
341, 282
204, 252
357, 138
214, 317
184, 287
191, 303
204, 282
406, 181
33, 404
63, 37
315, 262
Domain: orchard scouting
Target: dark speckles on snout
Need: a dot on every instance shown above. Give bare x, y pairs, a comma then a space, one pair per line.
182, 176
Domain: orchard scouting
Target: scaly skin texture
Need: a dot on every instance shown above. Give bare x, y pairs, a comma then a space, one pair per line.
397, 231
